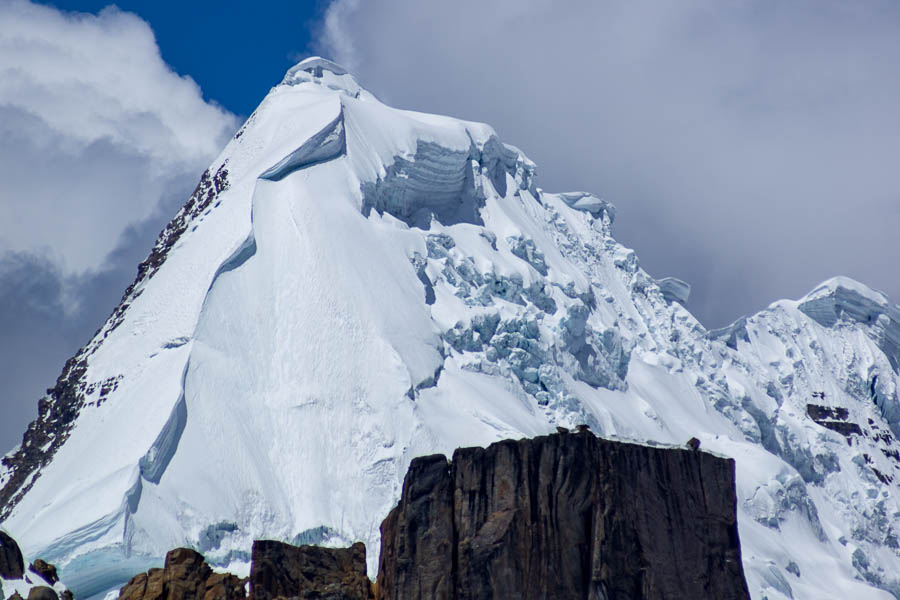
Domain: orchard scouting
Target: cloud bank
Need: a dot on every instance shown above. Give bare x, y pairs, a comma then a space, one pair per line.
749, 146
100, 142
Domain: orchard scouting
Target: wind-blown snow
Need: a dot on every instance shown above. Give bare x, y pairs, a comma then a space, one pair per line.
327, 144
674, 290
377, 284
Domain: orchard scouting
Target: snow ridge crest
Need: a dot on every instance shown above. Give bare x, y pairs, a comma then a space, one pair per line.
322, 71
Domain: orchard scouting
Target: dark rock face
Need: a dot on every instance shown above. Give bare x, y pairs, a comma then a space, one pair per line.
186, 576
833, 418
564, 516
307, 572
45, 570
12, 565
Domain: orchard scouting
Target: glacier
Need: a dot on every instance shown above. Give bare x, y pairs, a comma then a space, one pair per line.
353, 285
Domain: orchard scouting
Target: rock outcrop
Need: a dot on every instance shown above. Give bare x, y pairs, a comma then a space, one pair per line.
564, 516
308, 572
12, 565
186, 576
45, 570
277, 570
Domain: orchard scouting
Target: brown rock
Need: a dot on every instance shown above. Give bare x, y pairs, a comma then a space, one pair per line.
12, 566
224, 586
186, 573
308, 572
564, 516
422, 533
42, 592
135, 588
45, 570
186, 576
156, 585
145, 586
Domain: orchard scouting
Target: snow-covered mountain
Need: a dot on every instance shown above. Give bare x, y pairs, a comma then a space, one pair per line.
353, 285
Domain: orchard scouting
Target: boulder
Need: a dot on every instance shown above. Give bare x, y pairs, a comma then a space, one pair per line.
45, 570
42, 592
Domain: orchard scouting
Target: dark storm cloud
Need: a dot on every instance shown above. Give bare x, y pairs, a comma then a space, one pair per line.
750, 146
46, 315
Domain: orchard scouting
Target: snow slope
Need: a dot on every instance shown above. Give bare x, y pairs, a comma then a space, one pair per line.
353, 285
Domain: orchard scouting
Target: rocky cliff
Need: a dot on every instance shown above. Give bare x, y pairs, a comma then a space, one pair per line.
561, 516
564, 516
280, 570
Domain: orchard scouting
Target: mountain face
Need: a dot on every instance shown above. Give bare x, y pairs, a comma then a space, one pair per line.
352, 286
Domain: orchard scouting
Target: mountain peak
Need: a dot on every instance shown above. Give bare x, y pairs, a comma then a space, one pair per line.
317, 65
843, 284
841, 299
322, 71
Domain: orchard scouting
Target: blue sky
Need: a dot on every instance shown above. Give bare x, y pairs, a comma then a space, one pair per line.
234, 50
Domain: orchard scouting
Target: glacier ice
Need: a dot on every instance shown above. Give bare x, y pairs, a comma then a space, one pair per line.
317, 66
840, 298
327, 144
527, 251
731, 334
674, 290
436, 182
590, 203
322, 72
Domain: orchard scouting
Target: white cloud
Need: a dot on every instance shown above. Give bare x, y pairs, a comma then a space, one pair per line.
95, 129
749, 146
100, 143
